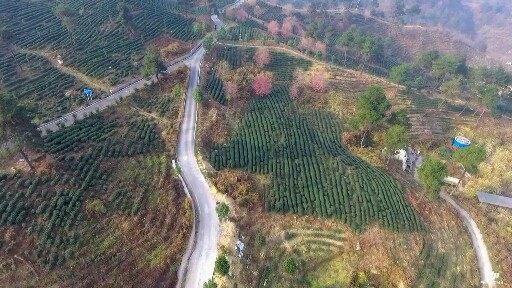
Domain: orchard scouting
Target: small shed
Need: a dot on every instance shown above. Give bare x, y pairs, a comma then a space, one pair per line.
410, 158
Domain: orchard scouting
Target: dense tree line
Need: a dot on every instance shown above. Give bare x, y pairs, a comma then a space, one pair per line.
453, 77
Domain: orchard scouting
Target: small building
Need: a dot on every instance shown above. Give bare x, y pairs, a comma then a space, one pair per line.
409, 158
59, 60
88, 93
240, 248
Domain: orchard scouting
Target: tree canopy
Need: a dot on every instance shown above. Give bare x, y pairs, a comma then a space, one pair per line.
15, 119
222, 265
426, 60
448, 66
152, 64
290, 265
222, 210
198, 95
208, 41
365, 43
431, 174
408, 75
210, 284
396, 137
16, 124
371, 106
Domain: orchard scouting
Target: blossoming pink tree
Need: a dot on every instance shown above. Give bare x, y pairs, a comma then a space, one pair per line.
318, 82
262, 57
287, 29
273, 27
241, 15
262, 84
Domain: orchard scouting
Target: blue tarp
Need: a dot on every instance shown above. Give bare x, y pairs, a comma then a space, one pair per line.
88, 92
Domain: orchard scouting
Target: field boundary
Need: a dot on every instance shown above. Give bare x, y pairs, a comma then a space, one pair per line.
301, 55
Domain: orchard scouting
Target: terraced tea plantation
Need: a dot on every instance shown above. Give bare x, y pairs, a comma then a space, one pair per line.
284, 65
50, 204
100, 38
34, 80
235, 56
246, 31
89, 213
436, 116
311, 171
215, 88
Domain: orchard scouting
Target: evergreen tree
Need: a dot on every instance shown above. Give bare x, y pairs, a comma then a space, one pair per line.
16, 125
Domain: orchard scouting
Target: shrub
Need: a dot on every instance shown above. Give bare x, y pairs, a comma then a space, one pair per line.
290, 266
260, 240
445, 152
431, 173
210, 284
222, 210
222, 265
470, 157
396, 137
198, 95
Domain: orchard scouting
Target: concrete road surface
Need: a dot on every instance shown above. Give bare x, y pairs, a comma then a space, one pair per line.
484, 263
218, 23
198, 268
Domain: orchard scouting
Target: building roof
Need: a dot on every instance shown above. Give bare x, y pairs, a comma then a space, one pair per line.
495, 199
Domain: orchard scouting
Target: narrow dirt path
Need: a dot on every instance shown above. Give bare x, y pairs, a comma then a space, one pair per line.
301, 55
90, 81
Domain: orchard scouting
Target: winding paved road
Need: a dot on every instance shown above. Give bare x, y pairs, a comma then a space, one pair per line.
484, 263
199, 260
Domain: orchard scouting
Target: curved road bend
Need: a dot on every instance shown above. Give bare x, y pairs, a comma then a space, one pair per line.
198, 268
484, 263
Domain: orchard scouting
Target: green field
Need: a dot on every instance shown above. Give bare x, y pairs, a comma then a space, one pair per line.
246, 31
215, 88
311, 171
